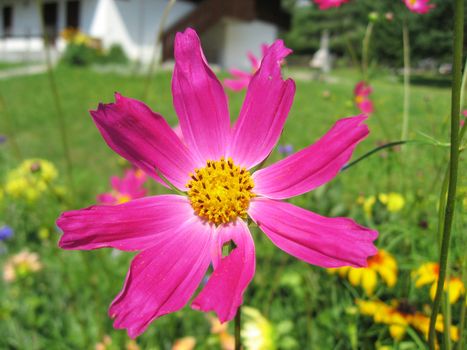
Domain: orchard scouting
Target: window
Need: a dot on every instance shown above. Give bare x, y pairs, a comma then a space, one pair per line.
72, 14
7, 16
50, 17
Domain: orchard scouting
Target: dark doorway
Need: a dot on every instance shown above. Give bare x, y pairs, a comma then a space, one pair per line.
7, 16
72, 14
50, 18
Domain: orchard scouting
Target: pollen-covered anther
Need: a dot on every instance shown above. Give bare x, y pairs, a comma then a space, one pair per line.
221, 191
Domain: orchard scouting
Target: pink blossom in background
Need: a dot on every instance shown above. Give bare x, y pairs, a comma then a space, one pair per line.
240, 78
327, 4
419, 6
179, 236
125, 189
362, 92
178, 131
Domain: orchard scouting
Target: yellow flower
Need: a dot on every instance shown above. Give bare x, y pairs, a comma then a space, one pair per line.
382, 264
399, 315
428, 274
186, 343
43, 233
226, 340
394, 202
30, 179
20, 265
257, 331
368, 205
132, 345
104, 344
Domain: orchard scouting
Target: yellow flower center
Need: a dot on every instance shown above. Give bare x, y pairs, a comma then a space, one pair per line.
221, 191
122, 198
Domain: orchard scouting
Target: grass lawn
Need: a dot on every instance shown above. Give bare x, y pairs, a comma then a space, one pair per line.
65, 306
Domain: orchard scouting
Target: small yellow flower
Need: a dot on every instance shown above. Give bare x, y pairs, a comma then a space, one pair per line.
104, 344
368, 205
131, 345
257, 331
21, 265
186, 343
32, 178
382, 264
394, 202
428, 274
227, 341
43, 233
399, 315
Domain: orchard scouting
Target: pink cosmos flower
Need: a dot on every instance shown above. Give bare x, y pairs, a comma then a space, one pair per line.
179, 236
126, 189
362, 93
327, 4
419, 6
241, 79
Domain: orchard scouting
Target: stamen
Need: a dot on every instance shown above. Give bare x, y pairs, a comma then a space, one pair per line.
221, 191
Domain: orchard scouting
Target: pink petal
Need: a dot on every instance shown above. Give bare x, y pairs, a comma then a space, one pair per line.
162, 278
362, 89
366, 107
312, 166
326, 242
106, 198
264, 111
132, 183
143, 137
199, 100
224, 291
255, 63
135, 225
236, 84
237, 73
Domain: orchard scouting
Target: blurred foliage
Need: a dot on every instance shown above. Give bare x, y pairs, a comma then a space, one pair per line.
80, 54
430, 34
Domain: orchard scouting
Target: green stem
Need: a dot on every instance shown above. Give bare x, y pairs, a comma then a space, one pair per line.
453, 164
238, 329
156, 55
446, 309
366, 50
377, 149
406, 48
56, 100
464, 85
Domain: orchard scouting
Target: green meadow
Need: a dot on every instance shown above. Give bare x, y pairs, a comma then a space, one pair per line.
64, 304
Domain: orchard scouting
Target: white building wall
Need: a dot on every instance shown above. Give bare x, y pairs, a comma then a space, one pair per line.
134, 24
241, 37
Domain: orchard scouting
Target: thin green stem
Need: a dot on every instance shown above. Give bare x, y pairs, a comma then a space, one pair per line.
446, 309
156, 55
56, 101
406, 48
464, 85
453, 164
377, 149
169, 184
238, 329
366, 50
